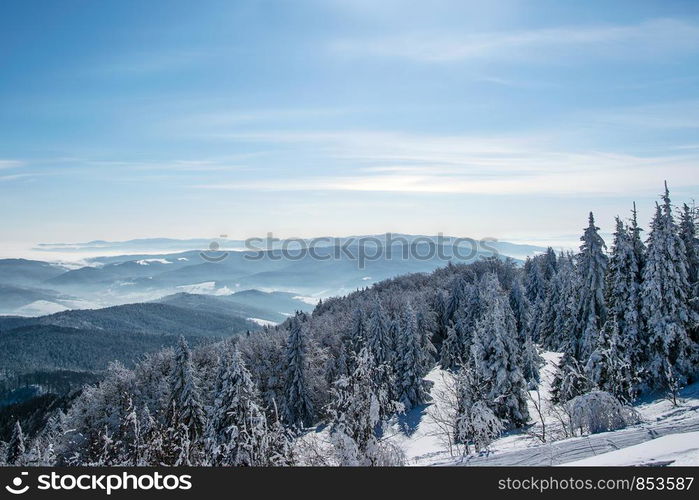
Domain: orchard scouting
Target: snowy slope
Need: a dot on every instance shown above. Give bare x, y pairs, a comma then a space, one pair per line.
425, 441
675, 449
665, 434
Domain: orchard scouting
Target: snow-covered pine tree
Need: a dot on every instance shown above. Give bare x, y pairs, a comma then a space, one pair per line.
542, 324
428, 351
534, 280
592, 310
531, 363
476, 425
688, 234
452, 350
357, 336
355, 415
278, 443
636, 240
520, 308
106, 454
624, 302
456, 297
298, 408
378, 339
410, 363
187, 418
570, 380
394, 333
671, 353
237, 427
549, 263
609, 368
153, 446
129, 445
45, 444
352, 339
337, 365
16, 446
538, 276
457, 348
440, 310
566, 284
497, 355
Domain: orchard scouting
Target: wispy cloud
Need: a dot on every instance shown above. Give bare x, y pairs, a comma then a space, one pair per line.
650, 38
11, 163
673, 115
410, 163
14, 177
205, 165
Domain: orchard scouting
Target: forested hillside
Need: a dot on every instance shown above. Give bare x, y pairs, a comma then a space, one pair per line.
624, 317
47, 347
146, 318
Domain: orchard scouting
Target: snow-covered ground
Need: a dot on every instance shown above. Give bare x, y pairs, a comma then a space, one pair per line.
667, 435
675, 449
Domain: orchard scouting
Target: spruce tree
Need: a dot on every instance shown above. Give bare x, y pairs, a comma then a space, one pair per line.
130, 444
534, 280
355, 414
543, 323
497, 355
378, 339
562, 306
279, 443
636, 241
45, 444
238, 425
457, 347
357, 337
456, 298
452, 350
298, 408
475, 425
540, 294
591, 311
624, 298
665, 292
154, 447
187, 418
531, 363
440, 309
550, 263
520, 308
688, 234
609, 367
428, 351
570, 380
16, 447
410, 362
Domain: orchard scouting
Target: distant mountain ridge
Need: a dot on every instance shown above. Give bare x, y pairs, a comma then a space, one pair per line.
163, 245
337, 267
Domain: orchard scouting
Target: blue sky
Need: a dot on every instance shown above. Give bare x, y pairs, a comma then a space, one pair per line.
510, 119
